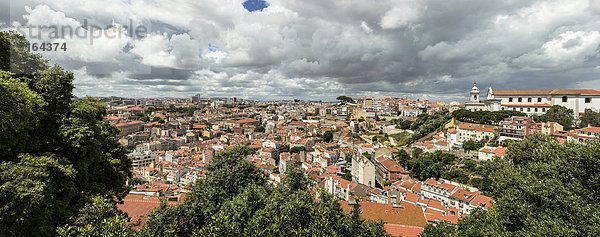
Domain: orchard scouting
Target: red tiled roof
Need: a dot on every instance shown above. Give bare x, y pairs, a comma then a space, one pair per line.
402, 230
545, 92
409, 215
464, 195
527, 105
247, 120
482, 201
522, 92
590, 129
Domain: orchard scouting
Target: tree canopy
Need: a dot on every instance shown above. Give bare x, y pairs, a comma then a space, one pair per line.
345, 99
235, 200
484, 117
589, 118
54, 151
559, 114
541, 188
426, 124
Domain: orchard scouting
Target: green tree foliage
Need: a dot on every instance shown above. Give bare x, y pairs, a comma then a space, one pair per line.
426, 124
345, 99
403, 158
428, 165
259, 129
559, 114
328, 136
99, 217
347, 176
589, 118
405, 124
54, 151
484, 117
19, 115
541, 188
35, 194
297, 149
250, 207
473, 145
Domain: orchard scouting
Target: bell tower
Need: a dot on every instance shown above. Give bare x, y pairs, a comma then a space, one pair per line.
474, 93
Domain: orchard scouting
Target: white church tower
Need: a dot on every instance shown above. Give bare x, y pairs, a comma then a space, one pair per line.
474, 93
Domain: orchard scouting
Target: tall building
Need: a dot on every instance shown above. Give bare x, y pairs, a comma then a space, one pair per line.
196, 98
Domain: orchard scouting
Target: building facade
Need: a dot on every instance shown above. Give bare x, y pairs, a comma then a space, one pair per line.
534, 102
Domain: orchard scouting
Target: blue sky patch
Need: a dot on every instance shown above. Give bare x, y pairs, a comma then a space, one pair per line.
255, 5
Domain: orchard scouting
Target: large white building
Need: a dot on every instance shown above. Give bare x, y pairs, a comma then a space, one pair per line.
534, 102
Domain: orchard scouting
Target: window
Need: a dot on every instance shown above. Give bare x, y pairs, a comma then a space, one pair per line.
543, 109
528, 109
521, 109
510, 99
536, 109
520, 99
529, 99
539, 100
588, 100
564, 99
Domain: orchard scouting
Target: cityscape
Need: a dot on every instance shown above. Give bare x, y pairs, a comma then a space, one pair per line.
320, 118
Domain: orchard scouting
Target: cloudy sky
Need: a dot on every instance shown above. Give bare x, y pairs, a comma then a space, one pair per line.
317, 49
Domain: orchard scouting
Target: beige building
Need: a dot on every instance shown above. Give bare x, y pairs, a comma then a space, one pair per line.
467, 132
363, 171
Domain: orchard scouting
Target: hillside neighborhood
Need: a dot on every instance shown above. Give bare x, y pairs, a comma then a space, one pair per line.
358, 149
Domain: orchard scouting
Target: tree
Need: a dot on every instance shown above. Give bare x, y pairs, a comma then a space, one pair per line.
559, 114
443, 228
589, 118
426, 124
345, 99
405, 124
297, 149
347, 176
252, 208
99, 217
557, 192
20, 109
328, 136
484, 117
58, 140
428, 165
473, 145
259, 129
35, 194
403, 158
296, 180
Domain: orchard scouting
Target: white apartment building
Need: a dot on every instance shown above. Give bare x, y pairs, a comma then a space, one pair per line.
467, 132
436, 190
585, 134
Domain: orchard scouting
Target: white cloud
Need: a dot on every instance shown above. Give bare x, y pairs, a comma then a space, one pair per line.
318, 49
400, 16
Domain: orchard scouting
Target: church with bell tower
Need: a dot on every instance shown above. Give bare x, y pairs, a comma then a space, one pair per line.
476, 104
